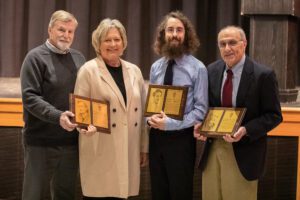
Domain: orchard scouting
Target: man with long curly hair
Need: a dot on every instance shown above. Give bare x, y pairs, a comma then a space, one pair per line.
172, 146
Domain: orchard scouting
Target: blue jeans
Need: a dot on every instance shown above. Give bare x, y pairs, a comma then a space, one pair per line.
50, 168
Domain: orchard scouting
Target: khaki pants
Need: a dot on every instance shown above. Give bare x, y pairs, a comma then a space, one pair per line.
222, 179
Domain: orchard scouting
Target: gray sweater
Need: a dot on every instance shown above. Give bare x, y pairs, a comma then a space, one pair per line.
47, 78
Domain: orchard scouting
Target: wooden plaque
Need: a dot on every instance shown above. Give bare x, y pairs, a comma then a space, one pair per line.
90, 111
170, 99
220, 121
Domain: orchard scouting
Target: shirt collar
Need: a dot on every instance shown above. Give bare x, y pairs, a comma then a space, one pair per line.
178, 61
239, 66
55, 49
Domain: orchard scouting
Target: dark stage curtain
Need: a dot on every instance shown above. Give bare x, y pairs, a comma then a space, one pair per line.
24, 26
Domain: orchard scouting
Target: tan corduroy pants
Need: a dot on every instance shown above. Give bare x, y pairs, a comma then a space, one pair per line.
222, 179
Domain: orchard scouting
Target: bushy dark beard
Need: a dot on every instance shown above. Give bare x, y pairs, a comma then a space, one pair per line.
172, 51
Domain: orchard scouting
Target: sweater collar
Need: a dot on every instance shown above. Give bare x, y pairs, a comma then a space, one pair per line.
54, 49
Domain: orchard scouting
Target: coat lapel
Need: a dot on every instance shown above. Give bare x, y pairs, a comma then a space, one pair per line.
245, 82
106, 76
217, 77
129, 79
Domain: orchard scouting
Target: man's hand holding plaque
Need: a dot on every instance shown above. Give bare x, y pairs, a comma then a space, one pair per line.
237, 136
169, 99
221, 122
90, 114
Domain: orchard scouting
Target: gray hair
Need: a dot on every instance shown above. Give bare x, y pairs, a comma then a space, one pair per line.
236, 28
63, 16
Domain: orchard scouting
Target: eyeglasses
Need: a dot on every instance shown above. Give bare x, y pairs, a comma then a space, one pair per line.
230, 43
172, 29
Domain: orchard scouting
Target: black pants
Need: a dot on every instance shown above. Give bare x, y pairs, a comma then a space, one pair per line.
171, 161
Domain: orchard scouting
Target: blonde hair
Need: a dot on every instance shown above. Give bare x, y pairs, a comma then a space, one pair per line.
101, 31
63, 16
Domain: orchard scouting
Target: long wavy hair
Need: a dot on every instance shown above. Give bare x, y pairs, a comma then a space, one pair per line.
191, 41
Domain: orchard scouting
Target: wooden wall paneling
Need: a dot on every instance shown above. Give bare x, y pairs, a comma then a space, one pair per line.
11, 112
273, 7
274, 40
11, 163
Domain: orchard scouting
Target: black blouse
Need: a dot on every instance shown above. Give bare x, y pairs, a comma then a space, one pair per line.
117, 74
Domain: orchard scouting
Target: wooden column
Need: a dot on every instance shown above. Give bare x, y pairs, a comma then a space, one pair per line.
273, 40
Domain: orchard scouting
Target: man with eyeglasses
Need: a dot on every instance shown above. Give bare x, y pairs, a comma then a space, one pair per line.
232, 165
172, 146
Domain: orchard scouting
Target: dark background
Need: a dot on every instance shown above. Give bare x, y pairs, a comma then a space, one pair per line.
24, 25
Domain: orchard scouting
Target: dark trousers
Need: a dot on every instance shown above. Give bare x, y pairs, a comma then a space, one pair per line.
171, 161
50, 168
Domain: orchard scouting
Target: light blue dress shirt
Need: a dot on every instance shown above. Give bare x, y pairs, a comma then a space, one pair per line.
191, 72
237, 73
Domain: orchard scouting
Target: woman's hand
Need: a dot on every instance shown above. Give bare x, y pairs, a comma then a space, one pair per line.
91, 130
144, 159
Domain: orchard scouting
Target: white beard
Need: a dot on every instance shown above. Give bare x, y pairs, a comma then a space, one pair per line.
63, 46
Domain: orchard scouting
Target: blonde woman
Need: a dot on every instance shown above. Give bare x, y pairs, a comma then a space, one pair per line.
110, 163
